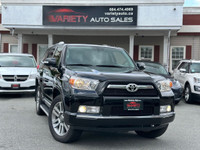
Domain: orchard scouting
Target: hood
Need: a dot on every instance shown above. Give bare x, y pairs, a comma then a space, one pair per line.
17, 71
118, 74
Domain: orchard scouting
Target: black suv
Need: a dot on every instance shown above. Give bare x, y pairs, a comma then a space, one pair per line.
92, 87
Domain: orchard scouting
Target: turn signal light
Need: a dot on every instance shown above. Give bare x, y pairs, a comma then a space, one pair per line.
170, 84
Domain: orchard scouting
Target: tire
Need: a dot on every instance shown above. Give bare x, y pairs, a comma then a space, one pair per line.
38, 101
59, 129
153, 133
188, 94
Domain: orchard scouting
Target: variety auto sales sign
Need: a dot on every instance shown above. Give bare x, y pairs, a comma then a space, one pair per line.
90, 15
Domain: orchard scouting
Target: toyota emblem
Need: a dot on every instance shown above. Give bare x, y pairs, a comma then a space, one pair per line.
131, 87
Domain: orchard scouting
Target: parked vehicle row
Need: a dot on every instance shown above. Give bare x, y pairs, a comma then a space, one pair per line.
92, 87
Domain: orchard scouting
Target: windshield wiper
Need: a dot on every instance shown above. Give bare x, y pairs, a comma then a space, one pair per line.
78, 65
116, 66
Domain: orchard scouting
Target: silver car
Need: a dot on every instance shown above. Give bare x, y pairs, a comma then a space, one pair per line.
17, 73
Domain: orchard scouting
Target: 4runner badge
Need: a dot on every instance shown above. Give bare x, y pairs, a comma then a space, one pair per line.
131, 87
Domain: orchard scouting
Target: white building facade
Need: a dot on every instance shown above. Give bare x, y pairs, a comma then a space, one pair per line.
142, 27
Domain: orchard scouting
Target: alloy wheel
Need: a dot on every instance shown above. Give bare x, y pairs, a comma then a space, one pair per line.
187, 94
58, 122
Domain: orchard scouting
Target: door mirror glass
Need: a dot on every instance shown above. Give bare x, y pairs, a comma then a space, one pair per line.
141, 65
183, 70
50, 62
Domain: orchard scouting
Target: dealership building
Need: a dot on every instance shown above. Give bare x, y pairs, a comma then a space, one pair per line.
147, 29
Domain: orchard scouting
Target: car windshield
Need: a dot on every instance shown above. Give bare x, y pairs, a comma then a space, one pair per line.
195, 68
97, 56
155, 68
17, 61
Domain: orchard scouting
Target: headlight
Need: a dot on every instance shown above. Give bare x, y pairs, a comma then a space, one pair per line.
32, 76
196, 80
83, 83
164, 85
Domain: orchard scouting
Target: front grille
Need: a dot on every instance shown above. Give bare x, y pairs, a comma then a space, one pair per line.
15, 78
122, 92
119, 111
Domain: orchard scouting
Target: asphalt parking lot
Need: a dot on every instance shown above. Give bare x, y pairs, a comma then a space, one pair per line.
22, 129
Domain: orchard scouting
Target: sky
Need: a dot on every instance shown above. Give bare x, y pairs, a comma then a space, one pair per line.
192, 3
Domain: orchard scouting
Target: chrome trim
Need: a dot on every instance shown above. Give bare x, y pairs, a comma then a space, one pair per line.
47, 102
44, 110
164, 115
140, 87
16, 91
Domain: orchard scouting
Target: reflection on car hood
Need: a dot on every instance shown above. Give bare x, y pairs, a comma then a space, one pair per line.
157, 77
102, 73
17, 70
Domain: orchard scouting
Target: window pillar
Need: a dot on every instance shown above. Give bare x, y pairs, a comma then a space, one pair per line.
131, 46
166, 50
50, 40
20, 43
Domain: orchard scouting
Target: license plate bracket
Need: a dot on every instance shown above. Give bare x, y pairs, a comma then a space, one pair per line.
15, 86
133, 105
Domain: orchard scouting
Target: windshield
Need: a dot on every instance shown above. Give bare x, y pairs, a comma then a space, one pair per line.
98, 57
195, 68
17, 61
155, 68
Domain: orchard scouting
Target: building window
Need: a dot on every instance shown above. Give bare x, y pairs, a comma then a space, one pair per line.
13, 48
41, 51
146, 53
177, 54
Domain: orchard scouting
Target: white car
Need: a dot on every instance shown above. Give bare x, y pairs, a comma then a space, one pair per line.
188, 74
17, 73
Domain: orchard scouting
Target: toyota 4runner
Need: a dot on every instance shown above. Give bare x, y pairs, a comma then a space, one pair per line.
92, 87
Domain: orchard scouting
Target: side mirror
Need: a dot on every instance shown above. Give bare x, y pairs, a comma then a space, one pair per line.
50, 62
141, 65
183, 70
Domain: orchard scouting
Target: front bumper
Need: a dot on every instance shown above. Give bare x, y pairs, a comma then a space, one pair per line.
27, 86
123, 123
178, 94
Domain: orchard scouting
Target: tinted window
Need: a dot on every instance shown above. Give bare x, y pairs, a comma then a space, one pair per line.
181, 65
17, 61
195, 68
184, 66
93, 55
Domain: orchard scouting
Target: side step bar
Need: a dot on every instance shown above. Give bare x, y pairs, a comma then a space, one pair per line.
45, 109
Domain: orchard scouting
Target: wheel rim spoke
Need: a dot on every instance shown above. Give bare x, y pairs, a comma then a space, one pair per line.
56, 125
55, 113
66, 127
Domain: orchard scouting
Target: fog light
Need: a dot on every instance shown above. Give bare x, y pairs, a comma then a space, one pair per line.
82, 109
165, 109
89, 109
